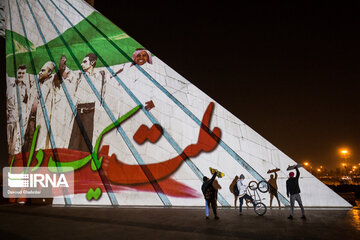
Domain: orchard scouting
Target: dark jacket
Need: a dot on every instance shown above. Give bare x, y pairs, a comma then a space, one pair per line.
208, 184
292, 184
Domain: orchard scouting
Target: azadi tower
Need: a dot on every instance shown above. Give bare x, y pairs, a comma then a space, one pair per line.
82, 93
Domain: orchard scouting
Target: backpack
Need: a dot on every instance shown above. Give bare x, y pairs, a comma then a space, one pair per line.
236, 190
209, 194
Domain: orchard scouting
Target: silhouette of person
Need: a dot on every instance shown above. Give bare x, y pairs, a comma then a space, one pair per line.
209, 195
216, 186
273, 188
293, 189
232, 189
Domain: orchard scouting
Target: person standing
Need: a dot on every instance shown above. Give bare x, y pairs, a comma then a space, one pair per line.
11, 119
293, 189
37, 115
242, 192
209, 194
89, 109
273, 189
216, 187
232, 189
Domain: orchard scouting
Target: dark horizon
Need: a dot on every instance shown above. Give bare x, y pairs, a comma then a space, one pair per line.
288, 71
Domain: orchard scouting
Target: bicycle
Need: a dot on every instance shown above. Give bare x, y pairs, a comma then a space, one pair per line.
263, 187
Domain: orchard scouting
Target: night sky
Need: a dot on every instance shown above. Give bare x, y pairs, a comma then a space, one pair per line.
290, 71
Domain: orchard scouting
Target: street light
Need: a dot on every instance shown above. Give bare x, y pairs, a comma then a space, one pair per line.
345, 153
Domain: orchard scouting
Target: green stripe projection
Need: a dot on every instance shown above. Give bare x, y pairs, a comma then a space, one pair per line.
79, 48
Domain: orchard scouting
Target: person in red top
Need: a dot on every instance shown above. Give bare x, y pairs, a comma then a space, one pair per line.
293, 189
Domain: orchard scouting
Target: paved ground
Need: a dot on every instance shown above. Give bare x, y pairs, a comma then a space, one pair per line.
40, 222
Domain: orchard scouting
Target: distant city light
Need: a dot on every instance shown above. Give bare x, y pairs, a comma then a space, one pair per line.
306, 163
319, 170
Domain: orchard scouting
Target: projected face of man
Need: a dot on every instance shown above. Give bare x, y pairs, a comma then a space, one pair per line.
44, 73
86, 64
21, 74
141, 58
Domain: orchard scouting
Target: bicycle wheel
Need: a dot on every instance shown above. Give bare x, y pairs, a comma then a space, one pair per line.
253, 185
260, 209
263, 186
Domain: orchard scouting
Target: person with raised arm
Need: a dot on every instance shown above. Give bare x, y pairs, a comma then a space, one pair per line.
210, 195
293, 190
